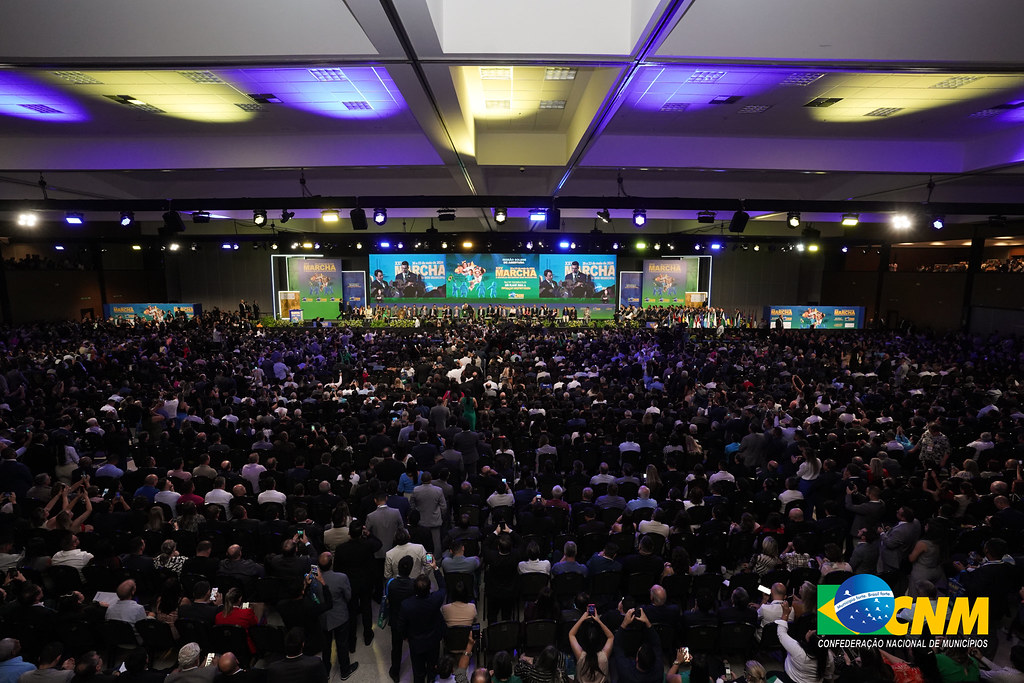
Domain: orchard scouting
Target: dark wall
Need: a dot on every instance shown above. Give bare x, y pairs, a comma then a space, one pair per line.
52, 294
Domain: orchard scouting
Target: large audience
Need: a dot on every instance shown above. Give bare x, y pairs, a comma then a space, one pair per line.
204, 499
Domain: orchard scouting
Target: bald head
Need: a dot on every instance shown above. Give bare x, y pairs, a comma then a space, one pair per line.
778, 591
228, 663
234, 552
658, 595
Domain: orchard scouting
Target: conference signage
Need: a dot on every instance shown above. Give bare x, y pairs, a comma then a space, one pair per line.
150, 312
666, 281
817, 317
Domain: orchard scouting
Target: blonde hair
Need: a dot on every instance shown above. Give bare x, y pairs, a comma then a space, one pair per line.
754, 672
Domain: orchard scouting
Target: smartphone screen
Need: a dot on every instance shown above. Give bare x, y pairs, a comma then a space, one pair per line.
591, 610
765, 590
213, 593
428, 558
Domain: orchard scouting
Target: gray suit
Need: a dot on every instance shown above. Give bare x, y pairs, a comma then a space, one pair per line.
752, 449
430, 502
383, 523
334, 621
896, 545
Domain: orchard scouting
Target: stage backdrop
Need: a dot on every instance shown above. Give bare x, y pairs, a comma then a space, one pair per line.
822, 317
630, 285
667, 281
424, 281
149, 312
321, 284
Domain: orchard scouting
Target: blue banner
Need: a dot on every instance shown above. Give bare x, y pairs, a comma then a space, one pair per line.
150, 312
818, 317
353, 283
630, 288
407, 276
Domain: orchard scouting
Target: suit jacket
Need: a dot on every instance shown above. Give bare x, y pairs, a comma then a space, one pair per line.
341, 592
199, 674
865, 515
421, 621
896, 545
383, 523
429, 500
301, 669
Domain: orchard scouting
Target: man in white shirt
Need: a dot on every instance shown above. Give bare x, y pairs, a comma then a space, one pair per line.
252, 471
168, 496
722, 474
404, 547
70, 555
771, 610
218, 496
271, 495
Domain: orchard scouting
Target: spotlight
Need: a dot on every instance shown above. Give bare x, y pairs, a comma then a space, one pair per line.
444, 245
358, 217
800, 246
538, 215
385, 245
657, 246
200, 216
850, 220
235, 246
639, 218
446, 215
845, 249
529, 246
696, 246
641, 245
572, 245
127, 218
563, 245
400, 246
259, 217
226, 246
938, 222
812, 247
757, 247
330, 216
745, 247
901, 221
793, 219
604, 215
706, 216
273, 246
58, 247
671, 246
286, 216
380, 216
27, 219
500, 216
316, 245
194, 247
74, 218
136, 247
716, 246
307, 244
174, 246
467, 245
615, 246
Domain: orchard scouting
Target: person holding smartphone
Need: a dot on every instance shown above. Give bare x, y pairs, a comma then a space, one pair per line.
591, 663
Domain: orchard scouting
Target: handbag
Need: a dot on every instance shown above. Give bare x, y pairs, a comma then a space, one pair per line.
382, 616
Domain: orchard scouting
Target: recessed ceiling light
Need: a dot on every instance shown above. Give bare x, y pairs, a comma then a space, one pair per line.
802, 78
986, 113
754, 109
202, 76
357, 105
41, 108
823, 101
328, 75
956, 82
705, 76
725, 99
498, 104
675, 106
76, 77
28, 219
560, 73
265, 98
495, 73
884, 111
249, 106
552, 104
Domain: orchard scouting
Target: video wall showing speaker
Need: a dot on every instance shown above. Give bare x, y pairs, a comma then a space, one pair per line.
492, 278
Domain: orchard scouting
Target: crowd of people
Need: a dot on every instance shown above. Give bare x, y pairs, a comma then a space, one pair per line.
252, 499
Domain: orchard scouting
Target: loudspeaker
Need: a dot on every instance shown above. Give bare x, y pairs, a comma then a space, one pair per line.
554, 220
739, 221
358, 219
172, 224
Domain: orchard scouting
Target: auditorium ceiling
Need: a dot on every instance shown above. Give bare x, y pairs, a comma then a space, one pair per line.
794, 100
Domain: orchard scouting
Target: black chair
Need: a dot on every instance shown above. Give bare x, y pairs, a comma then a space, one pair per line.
677, 588
501, 635
590, 544
567, 586
156, 636
631, 639
701, 638
226, 638
193, 631
456, 638
712, 583
748, 581
63, 579
659, 543
610, 515
531, 584
769, 638
638, 586
667, 636
474, 514
835, 578
118, 635
737, 638
625, 541
269, 640
606, 585
268, 590
78, 637
451, 578
539, 633
776, 576
801, 574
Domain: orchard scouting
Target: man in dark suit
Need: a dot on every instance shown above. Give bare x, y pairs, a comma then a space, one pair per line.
296, 667
994, 580
659, 611
739, 610
399, 589
382, 524
421, 620
335, 620
897, 543
577, 283
356, 559
409, 283
230, 671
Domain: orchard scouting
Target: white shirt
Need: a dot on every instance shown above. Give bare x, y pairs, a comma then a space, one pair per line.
272, 496
220, 497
